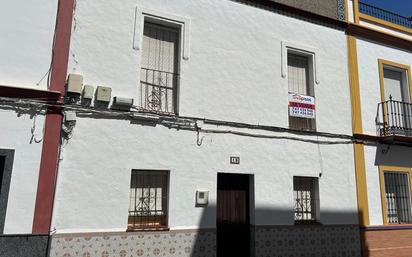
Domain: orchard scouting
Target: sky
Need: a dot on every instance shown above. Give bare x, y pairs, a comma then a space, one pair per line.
402, 7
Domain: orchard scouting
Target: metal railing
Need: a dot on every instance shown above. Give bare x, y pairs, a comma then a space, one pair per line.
158, 90
394, 118
385, 15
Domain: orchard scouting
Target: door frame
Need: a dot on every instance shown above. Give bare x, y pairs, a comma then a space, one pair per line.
8, 154
251, 199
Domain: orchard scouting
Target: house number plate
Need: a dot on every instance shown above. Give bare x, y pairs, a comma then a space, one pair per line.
234, 160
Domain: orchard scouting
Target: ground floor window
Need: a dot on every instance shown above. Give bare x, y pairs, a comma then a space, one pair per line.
397, 197
148, 199
305, 193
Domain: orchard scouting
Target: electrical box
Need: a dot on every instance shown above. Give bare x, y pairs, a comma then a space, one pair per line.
70, 116
202, 197
88, 92
74, 84
103, 94
122, 104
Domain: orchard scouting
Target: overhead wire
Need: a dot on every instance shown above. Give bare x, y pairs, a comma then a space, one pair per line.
190, 123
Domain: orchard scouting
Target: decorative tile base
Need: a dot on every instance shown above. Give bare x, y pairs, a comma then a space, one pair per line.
290, 241
308, 241
191, 243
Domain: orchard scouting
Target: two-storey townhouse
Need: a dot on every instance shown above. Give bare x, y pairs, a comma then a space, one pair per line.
204, 128
380, 50
32, 81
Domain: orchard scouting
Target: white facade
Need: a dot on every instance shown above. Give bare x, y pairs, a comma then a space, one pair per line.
369, 52
23, 185
27, 29
368, 55
232, 72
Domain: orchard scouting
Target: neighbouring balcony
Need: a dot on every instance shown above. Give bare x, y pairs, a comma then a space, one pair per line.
385, 15
158, 91
394, 118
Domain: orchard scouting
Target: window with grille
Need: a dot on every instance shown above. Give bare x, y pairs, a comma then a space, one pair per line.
300, 81
305, 192
148, 199
398, 201
159, 68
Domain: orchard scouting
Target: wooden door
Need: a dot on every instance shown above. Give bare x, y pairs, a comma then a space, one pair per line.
233, 221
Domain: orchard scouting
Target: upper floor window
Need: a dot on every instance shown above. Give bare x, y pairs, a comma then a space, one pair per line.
306, 197
300, 85
395, 83
395, 111
148, 199
159, 76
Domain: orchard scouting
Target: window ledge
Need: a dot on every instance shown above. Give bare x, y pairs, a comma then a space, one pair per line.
130, 229
308, 223
387, 227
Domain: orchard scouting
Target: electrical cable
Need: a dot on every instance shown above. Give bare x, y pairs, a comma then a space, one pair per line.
189, 123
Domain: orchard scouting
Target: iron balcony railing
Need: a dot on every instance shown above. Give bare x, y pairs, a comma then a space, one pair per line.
158, 91
394, 118
385, 15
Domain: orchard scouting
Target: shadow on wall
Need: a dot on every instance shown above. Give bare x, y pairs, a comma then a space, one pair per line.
303, 240
393, 155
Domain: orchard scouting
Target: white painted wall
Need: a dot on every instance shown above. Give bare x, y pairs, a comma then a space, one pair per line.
368, 55
93, 188
387, 30
233, 73
16, 134
373, 186
26, 28
351, 17
235, 56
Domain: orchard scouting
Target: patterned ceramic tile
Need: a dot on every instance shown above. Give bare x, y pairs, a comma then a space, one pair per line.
341, 10
308, 241
273, 241
147, 244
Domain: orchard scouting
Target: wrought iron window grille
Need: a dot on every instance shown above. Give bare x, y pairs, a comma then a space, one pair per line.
398, 201
306, 199
158, 91
148, 208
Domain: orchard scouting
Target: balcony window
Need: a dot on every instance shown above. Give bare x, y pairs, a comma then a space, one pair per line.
159, 76
394, 115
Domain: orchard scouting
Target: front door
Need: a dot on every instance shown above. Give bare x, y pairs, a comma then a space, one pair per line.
233, 221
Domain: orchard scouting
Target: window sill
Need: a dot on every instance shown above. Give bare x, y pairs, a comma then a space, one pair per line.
387, 227
148, 229
307, 223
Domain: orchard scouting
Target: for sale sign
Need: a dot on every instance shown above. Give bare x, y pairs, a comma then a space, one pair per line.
302, 106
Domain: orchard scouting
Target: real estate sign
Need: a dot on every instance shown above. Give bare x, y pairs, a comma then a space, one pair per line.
302, 106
